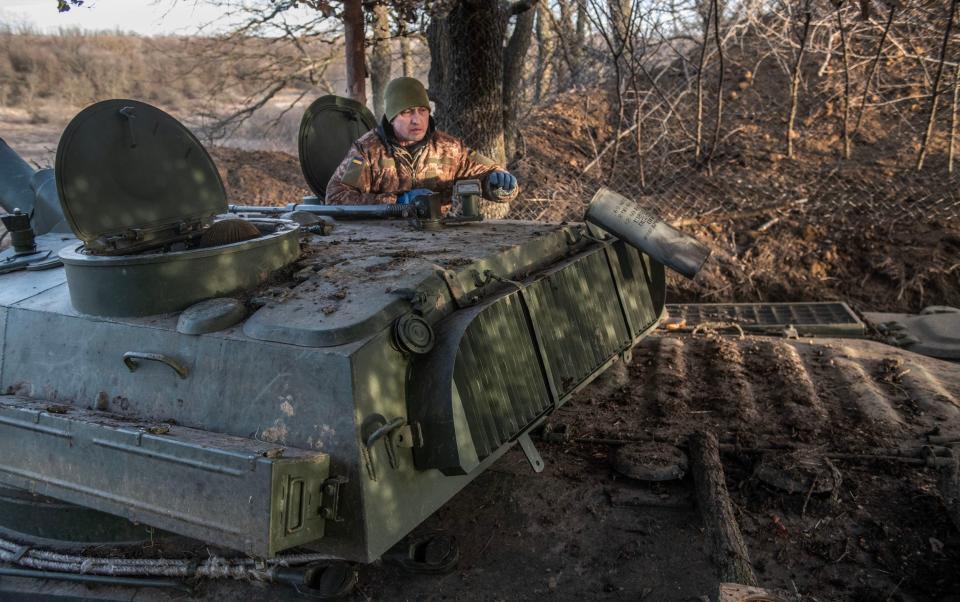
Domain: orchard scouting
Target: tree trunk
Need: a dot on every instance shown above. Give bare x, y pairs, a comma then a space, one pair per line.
546, 46
354, 41
619, 22
720, 69
795, 81
513, 59
466, 74
567, 33
406, 53
846, 85
720, 524
582, 23
438, 40
621, 15
698, 145
380, 59
936, 87
873, 68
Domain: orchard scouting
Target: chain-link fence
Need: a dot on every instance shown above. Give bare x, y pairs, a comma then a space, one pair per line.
709, 108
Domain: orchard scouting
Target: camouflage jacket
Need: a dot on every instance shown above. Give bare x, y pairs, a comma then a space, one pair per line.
376, 170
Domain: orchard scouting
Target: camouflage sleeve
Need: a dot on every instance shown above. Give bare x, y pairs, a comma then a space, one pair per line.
351, 183
475, 165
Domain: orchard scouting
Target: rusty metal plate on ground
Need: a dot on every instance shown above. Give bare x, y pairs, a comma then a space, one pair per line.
809, 319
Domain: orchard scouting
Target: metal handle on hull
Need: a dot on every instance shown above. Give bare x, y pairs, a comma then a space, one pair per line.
131, 359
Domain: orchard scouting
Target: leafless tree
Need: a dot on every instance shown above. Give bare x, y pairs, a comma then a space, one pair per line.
935, 93
380, 56
795, 80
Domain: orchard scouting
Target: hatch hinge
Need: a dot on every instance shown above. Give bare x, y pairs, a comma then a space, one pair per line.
134, 239
330, 498
460, 297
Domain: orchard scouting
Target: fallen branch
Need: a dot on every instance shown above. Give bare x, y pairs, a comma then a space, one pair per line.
722, 531
733, 216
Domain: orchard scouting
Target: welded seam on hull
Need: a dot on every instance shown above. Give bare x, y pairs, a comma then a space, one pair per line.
46, 430
233, 472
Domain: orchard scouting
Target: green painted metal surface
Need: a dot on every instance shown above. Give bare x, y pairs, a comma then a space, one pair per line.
128, 173
156, 283
327, 130
502, 364
210, 486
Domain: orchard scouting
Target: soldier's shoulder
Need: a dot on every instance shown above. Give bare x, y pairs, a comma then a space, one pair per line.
369, 141
442, 138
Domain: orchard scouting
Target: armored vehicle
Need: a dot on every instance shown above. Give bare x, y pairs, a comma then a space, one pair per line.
261, 384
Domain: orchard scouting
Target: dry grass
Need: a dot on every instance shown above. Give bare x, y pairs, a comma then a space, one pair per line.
77, 68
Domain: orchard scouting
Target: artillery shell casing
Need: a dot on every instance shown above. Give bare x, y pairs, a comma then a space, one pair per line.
626, 220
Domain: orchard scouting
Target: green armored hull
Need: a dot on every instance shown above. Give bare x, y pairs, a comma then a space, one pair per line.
261, 384
371, 385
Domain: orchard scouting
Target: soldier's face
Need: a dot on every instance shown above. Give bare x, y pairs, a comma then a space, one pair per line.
410, 125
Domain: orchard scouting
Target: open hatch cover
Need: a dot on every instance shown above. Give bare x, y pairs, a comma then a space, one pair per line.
328, 128
126, 170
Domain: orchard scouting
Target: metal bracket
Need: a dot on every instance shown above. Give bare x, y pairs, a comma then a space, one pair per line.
131, 358
572, 236
330, 498
530, 451
460, 297
417, 298
408, 436
388, 432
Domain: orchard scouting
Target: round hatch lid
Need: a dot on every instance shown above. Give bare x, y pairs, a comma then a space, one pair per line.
124, 166
328, 128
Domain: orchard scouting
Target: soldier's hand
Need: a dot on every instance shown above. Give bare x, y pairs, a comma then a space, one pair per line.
408, 197
502, 179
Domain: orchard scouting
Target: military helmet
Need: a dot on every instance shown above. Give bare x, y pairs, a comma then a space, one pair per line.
404, 93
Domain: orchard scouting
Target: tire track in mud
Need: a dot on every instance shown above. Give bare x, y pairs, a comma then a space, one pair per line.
724, 388
836, 390
668, 385
915, 394
931, 395
846, 392
874, 411
781, 378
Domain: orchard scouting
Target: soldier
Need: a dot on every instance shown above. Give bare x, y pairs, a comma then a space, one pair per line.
407, 157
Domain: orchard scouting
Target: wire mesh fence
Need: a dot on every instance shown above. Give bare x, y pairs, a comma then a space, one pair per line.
711, 108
